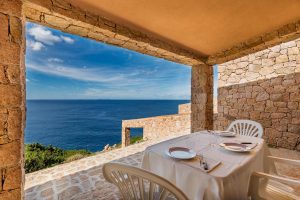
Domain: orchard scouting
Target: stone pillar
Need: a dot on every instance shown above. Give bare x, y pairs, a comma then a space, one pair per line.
202, 98
12, 99
125, 137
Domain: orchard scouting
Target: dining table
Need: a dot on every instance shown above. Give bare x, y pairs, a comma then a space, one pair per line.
231, 171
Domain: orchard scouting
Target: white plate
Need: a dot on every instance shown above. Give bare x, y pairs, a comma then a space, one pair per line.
225, 133
236, 147
181, 153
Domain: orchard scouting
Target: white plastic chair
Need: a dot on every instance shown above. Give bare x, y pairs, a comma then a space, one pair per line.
246, 127
273, 187
136, 183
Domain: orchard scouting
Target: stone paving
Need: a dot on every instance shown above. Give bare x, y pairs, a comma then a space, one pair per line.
83, 179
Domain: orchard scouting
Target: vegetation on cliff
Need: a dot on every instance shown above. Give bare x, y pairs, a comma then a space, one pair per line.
136, 139
38, 156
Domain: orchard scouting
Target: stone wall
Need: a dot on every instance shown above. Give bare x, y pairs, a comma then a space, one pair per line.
12, 99
160, 126
265, 87
184, 108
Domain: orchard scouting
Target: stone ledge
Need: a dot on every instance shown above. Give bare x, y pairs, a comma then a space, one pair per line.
128, 121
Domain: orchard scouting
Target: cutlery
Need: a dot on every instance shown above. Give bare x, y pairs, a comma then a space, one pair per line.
203, 162
205, 165
200, 159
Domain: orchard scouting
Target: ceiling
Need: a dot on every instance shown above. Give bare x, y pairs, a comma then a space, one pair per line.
203, 26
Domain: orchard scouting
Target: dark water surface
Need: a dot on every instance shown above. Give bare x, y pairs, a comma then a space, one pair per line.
87, 124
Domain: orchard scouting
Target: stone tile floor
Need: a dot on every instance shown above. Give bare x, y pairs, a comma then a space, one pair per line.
83, 179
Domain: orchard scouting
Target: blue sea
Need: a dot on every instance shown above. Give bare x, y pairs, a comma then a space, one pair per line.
88, 124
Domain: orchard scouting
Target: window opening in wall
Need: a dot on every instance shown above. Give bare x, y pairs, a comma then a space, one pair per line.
136, 135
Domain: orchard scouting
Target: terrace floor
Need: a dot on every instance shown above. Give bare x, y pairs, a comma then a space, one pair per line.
83, 179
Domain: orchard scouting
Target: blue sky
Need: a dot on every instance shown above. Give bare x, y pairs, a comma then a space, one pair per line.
65, 66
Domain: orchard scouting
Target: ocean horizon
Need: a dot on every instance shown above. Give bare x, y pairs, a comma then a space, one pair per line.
88, 123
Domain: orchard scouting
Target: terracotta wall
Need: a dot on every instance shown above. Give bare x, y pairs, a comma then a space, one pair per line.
265, 87
12, 98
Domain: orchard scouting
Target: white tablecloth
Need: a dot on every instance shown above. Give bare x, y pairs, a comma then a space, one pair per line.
228, 181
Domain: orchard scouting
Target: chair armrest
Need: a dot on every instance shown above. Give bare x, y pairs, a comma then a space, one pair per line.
277, 178
285, 160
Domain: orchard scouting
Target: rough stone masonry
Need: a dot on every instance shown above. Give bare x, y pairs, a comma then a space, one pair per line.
265, 87
12, 109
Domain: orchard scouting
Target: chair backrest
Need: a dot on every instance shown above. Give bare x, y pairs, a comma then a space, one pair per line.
246, 127
136, 183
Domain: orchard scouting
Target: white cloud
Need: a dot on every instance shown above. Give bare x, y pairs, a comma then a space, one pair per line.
81, 74
45, 36
27, 80
108, 82
67, 39
151, 92
55, 60
35, 46
41, 34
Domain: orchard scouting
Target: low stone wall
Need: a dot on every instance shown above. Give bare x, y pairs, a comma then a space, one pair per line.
184, 108
160, 126
264, 87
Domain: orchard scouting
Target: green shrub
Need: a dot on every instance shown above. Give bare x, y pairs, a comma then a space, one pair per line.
38, 156
75, 157
136, 139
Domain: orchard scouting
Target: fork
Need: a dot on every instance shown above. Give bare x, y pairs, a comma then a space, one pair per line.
203, 163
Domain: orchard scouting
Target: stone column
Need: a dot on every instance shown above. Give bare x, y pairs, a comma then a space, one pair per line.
202, 98
125, 137
12, 99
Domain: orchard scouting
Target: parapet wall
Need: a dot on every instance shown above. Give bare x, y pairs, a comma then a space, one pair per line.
184, 108
160, 126
265, 87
